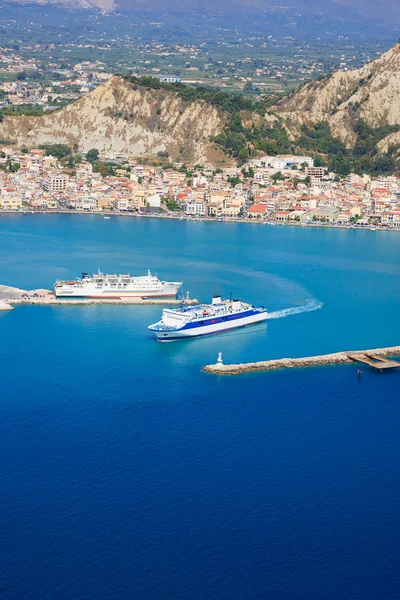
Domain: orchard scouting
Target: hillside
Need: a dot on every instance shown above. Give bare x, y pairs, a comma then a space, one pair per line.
370, 94
350, 118
122, 117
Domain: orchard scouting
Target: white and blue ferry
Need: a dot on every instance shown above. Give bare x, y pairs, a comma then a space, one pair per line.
206, 319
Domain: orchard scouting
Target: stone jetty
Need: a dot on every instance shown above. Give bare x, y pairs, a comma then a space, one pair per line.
51, 299
5, 305
344, 357
11, 296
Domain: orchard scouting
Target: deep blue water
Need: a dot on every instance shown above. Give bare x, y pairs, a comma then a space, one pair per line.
127, 472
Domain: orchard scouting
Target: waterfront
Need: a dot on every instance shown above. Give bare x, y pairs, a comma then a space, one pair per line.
128, 472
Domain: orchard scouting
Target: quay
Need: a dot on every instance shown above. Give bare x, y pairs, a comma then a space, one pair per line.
50, 299
375, 361
374, 358
9, 297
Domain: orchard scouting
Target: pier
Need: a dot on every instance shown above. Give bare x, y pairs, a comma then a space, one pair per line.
375, 361
52, 300
10, 296
375, 358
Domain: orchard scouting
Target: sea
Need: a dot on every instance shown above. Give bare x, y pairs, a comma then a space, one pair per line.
129, 473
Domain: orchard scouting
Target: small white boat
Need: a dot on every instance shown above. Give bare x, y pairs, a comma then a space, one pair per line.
106, 217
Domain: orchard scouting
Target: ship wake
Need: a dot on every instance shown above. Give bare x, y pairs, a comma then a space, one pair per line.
296, 310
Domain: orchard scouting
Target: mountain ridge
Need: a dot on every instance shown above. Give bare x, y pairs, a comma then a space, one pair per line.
118, 116
353, 114
371, 93
342, 9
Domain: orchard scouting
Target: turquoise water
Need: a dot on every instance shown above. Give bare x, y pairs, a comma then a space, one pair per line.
127, 472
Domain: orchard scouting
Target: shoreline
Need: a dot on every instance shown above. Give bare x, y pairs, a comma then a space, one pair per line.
343, 357
199, 220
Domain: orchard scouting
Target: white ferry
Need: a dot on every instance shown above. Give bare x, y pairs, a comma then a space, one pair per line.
206, 319
116, 286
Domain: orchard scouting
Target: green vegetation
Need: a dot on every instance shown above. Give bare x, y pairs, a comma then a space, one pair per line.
28, 110
57, 150
363, 158
13, 167
172, 205
243, 143
106, 169
227, 102
92, 155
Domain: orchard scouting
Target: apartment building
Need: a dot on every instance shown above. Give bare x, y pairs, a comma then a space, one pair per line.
55, 183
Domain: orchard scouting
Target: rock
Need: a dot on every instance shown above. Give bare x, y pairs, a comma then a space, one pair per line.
371, 93
121, 117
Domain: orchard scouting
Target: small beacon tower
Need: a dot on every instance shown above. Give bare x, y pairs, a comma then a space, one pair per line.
219, 361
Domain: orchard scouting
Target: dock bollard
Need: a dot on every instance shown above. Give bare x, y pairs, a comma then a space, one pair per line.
219, 361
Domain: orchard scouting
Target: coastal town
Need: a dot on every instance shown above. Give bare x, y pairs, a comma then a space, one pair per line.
271, 189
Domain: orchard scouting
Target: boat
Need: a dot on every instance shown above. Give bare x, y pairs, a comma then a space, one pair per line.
106, 217
100, 285
206, 319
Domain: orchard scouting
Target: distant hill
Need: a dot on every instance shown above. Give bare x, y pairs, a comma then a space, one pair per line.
384, 10
122, 117
350, 118
370, 94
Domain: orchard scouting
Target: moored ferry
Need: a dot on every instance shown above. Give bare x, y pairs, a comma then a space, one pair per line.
206, 319
121, 286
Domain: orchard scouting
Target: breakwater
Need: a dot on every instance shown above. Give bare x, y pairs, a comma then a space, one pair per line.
51, 299
344, 357
10, 296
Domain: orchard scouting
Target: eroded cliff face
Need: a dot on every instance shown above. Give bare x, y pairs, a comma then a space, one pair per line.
371, 93
121, 117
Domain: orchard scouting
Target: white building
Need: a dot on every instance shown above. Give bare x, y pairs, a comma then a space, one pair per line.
55, 183
196, 207
86, 203
154, 201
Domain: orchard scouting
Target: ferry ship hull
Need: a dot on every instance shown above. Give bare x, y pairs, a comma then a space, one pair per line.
118, 294
116, 286
216, 325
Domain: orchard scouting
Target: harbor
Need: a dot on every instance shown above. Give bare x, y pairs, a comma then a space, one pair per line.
10, 297
376, 359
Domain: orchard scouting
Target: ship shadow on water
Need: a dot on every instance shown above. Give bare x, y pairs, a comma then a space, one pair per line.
238, 331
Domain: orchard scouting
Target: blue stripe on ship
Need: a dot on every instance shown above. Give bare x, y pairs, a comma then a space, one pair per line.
180, 337
216, 320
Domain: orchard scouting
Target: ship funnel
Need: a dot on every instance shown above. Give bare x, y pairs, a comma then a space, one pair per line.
217, 300
236, 305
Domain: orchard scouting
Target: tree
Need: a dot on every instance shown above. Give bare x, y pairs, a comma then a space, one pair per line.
57, 150
92, 155
102, 168
277, 176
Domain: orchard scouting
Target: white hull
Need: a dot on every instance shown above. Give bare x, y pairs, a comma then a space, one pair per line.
82, 293
164, 336
116, 286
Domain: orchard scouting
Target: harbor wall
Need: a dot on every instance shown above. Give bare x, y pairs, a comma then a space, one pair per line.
51, 299
342, 357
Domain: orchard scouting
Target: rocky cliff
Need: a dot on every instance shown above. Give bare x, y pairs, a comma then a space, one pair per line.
371, 93
122, 117
139, 119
